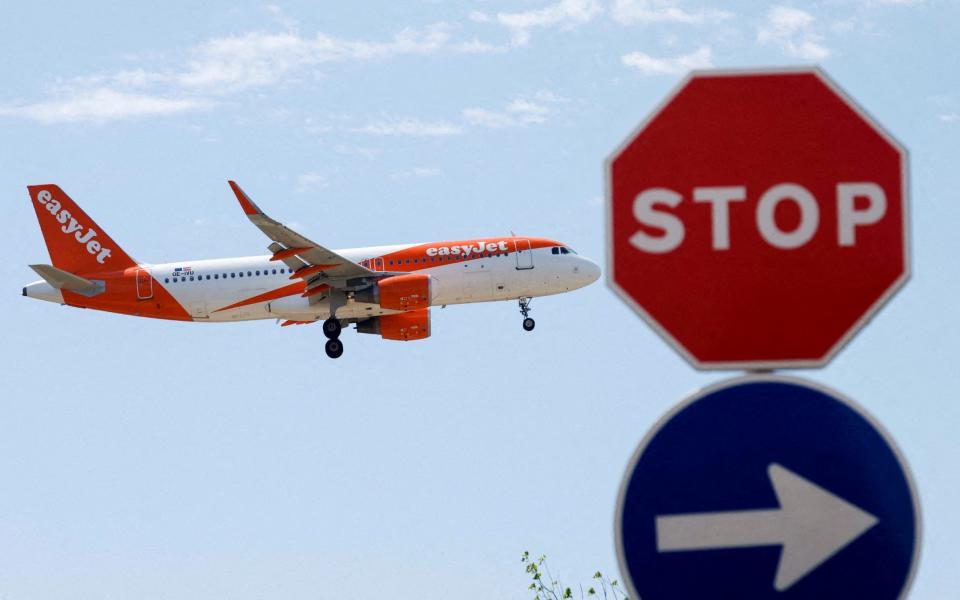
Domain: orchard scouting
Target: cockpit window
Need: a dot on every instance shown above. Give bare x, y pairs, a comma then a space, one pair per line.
568, 250
554, 250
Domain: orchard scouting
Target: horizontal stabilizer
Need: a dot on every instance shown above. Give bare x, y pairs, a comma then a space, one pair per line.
62, 280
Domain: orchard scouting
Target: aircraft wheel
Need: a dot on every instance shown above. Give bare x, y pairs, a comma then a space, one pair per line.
334, 348
332, 328
528, 324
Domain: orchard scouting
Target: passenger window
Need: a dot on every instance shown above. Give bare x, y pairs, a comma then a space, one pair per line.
233, 275
249, 274
216, 276
208, 278
274, 271
166, 280
258, 273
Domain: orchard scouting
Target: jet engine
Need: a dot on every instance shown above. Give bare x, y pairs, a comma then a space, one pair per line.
400, 292
405, 327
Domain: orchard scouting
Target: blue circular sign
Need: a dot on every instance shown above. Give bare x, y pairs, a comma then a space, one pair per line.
767, 487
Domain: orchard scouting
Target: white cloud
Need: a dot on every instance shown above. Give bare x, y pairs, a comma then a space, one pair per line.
522, 110
409, 126
565, 14
281, 17
476, 46
221, 66
949, 117
702, 58
101, 105
257, 59
793, 30
486, 118
417, 173
628, 12
368, 153
479, 17
311, 181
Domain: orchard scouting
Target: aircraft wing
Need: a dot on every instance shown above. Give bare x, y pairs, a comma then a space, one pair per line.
307, 259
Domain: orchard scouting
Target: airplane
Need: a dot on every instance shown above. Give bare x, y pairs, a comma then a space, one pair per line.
384, 290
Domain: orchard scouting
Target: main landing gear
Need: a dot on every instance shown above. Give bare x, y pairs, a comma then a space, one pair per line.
332, 329
528, 323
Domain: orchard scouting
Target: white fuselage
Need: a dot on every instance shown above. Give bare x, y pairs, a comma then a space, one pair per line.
228, 289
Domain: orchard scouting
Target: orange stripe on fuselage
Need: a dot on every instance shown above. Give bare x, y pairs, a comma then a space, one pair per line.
287, 290
120, 296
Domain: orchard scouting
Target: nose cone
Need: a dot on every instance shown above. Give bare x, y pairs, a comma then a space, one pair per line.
587, 272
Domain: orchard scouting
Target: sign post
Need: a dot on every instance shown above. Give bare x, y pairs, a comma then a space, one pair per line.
758, 220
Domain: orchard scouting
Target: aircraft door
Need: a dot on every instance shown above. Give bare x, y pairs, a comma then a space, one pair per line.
144, 284
524, 254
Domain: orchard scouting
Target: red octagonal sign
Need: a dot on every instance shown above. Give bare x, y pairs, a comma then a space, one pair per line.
757, 219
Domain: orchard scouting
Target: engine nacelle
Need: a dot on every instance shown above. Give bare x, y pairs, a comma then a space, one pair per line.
401, 292
405, 327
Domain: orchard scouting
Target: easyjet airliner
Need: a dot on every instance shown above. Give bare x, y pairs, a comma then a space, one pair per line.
385, 290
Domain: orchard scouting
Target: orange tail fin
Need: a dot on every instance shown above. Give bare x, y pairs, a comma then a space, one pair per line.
75, 243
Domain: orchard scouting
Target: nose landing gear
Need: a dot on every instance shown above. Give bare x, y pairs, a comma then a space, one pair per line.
332, 329
528, 323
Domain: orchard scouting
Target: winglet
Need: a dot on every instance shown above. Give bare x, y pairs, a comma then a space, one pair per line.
245, 202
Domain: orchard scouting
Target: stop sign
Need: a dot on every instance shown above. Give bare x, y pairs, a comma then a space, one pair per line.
757, 219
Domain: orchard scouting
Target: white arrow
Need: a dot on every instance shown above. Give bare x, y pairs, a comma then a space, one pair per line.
811, 524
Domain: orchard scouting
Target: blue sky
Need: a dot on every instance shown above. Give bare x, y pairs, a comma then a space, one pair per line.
174, 460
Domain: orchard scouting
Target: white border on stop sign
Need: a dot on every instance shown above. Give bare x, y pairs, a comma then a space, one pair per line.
696, 395
761, 365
